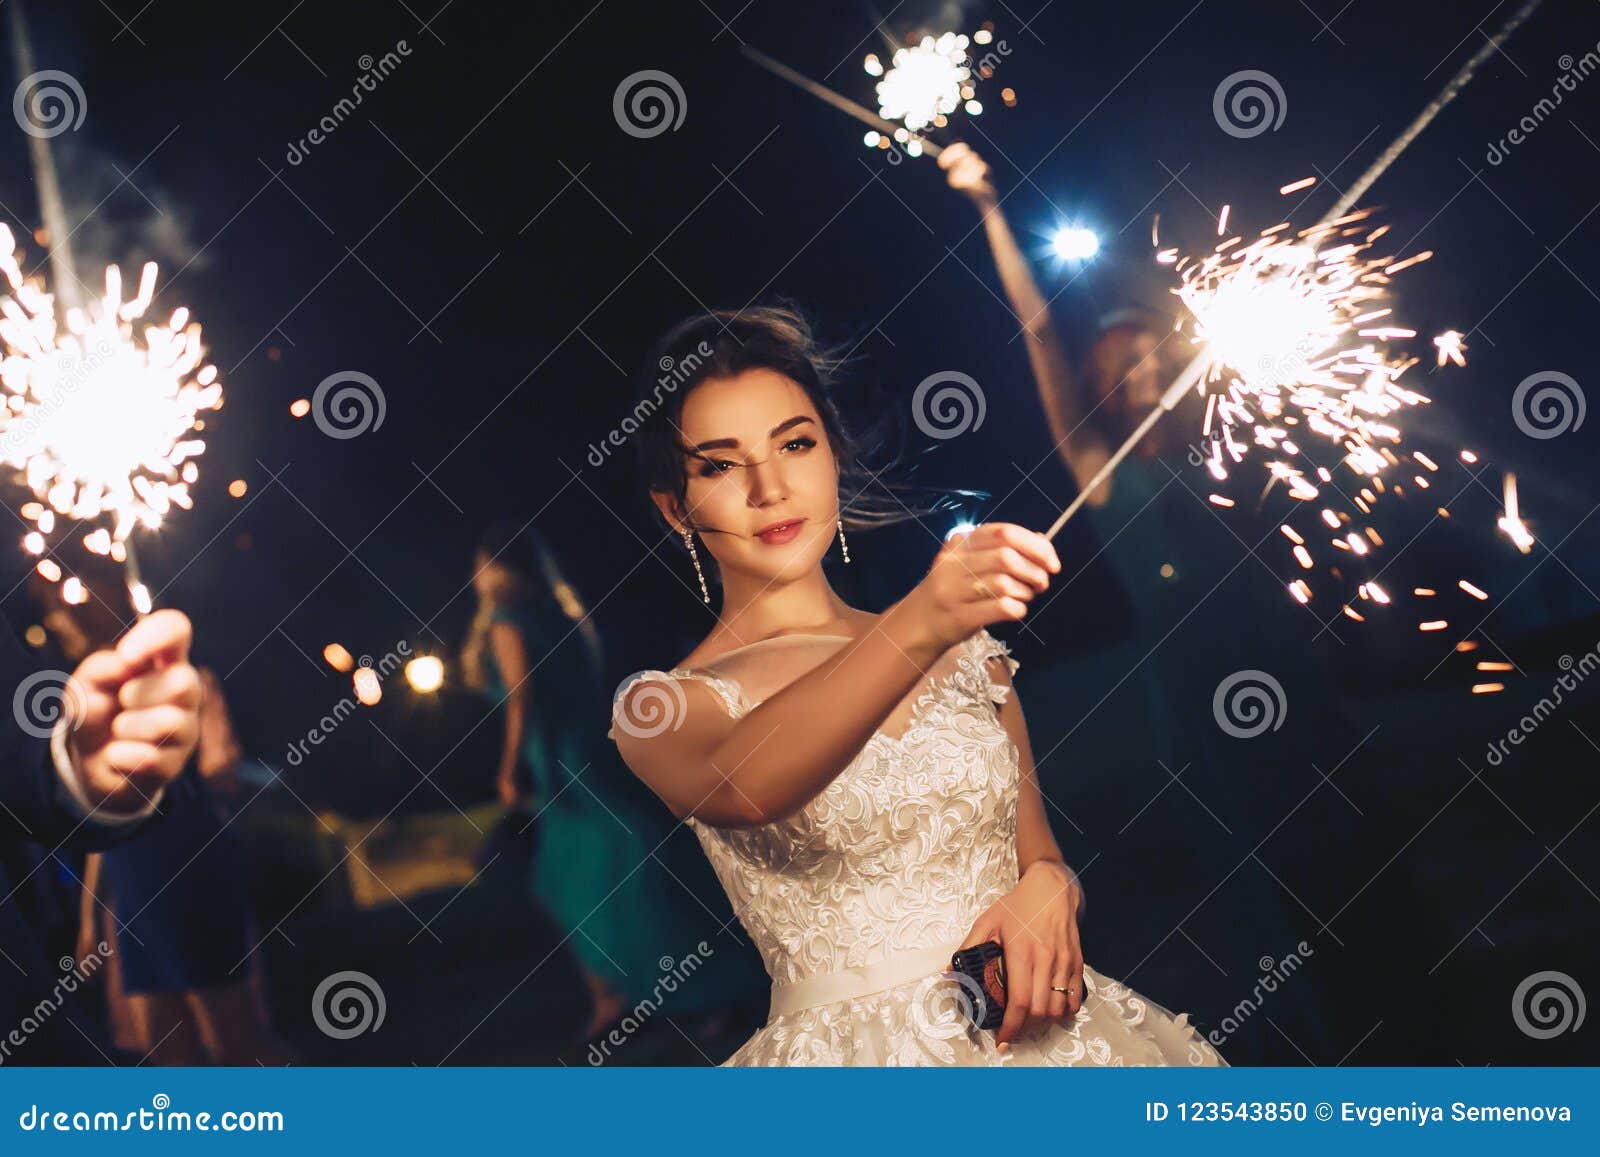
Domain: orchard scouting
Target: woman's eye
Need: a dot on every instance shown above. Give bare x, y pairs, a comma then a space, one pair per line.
803, 443
712, 467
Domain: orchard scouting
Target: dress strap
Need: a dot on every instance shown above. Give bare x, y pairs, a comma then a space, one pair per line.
655, 711
982, 647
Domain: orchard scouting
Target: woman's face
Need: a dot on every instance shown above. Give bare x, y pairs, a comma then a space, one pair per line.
490, 579
764, 458
1128, 369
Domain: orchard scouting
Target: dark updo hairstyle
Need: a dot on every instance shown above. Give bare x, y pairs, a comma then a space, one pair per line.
777, 338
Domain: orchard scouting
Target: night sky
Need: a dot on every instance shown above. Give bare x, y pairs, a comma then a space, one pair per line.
481, 239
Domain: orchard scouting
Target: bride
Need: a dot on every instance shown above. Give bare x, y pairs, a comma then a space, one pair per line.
862, 784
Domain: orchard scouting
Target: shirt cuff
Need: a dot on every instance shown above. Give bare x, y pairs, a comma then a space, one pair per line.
72, 787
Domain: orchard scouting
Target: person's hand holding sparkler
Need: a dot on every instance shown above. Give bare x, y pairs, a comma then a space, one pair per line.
968, 173
132, 715
985, 574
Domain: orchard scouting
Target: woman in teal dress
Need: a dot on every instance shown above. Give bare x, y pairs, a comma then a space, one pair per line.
599, 866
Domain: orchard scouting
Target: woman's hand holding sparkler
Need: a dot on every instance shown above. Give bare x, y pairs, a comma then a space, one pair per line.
133, 714
967, 173
988, 574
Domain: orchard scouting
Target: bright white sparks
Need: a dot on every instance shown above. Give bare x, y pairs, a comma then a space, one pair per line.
926, 82
1301, 348
99, 417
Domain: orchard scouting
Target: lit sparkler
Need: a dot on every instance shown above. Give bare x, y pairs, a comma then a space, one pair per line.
99, 417
926, 82
1293, 332
1511, 522
1297, 347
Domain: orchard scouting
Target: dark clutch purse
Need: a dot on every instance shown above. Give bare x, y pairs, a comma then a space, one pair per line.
985, 965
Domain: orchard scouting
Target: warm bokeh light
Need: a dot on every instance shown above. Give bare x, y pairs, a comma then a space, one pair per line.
368, 690
425, 673
238, 488
300, 407
338, 658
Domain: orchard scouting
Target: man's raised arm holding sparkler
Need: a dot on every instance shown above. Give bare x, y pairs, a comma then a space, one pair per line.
1065, 400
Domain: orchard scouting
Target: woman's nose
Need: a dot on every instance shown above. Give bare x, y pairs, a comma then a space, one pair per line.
767, 481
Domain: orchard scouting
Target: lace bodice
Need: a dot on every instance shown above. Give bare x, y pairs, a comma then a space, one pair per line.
905, 848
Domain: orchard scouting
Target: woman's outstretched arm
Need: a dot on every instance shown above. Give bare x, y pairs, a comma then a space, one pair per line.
770, 763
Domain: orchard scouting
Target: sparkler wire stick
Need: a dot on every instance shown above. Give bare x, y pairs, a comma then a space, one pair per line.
1446, 95
825, 94
1196, 368
64, 274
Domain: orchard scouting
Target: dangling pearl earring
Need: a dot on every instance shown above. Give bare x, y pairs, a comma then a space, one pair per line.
688, 541
843, 545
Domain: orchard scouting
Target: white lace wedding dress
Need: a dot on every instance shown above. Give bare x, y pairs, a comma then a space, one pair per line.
857, 901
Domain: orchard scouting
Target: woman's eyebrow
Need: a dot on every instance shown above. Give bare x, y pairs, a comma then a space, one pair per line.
733, 443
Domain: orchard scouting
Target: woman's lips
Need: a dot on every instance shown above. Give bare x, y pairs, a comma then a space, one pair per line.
786, 533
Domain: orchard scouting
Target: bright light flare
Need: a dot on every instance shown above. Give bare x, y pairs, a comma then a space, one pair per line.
425, 673
98, 416
924, 82
1074, 243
